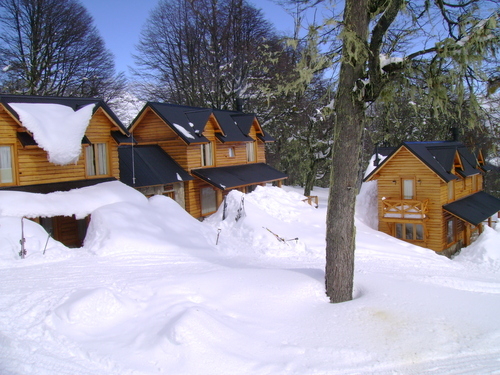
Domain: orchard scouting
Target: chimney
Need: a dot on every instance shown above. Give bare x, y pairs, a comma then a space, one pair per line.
454, 134
239, 104
377, 160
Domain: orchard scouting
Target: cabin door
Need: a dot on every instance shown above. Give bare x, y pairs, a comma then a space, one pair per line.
66, 229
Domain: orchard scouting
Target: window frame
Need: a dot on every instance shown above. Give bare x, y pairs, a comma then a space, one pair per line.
12, 166
94, 167
451, 190
404, 185
451, 231
208, 208
251, 152
207, 154
401, 231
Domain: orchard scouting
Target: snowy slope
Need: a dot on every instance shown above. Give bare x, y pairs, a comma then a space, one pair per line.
154, 291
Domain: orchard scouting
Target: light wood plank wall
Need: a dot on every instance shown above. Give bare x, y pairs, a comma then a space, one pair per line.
32, 165
406, 165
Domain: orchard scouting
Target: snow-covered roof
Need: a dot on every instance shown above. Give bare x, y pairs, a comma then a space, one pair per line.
58, 124
79, 202
58, 129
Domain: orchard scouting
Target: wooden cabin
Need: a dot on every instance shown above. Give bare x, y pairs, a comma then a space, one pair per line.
27, 122
196, 155
430, 194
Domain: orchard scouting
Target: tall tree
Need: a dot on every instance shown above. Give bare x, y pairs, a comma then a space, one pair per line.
385, 41
50, 47
367, 24
203, 52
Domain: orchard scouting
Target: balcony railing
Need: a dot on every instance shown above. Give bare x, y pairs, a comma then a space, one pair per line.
404, 208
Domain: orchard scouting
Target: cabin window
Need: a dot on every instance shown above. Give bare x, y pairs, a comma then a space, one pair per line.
251, 151
409, 228
408, 188
96, 156
208, 201
231, 152
419, 232
399, 230
6, 167
207, 158
451, 191
408, 231
474, 183
450, 233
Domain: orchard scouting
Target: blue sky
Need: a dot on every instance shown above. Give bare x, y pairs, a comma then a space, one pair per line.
120, 22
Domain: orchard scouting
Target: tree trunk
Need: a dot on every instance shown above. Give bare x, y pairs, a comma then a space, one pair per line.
311, 177
350, 113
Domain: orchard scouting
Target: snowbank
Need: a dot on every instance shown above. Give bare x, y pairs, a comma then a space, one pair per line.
157, 225
259, 223
155, 291
79, 202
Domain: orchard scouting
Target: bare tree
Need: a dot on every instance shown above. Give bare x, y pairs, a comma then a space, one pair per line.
203, 52
50, 47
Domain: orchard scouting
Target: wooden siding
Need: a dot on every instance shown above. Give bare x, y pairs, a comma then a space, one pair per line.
152, 129
222, 155
32, 165
427, 186
99, 131
8, 137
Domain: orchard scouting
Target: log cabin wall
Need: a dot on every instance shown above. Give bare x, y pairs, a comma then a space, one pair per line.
31, 165
427, 186
99, 131
152, 129
8, 137
154, 126
225, 150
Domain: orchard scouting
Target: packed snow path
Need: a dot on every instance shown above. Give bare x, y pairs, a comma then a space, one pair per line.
152, 293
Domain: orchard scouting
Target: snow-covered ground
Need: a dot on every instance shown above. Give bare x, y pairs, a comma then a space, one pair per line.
154, 291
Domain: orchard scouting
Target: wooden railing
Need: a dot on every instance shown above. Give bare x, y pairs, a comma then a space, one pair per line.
405, 208
312, 200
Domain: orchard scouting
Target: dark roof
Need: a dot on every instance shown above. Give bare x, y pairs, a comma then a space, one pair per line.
475, 208
57, 186
384, 151
150, 165
439, 156
123, 139
239, 175
74, 103
189, 122
27, 139
235, 125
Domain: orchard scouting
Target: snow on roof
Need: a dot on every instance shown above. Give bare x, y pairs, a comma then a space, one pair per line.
79, 202
58, 129
184, 131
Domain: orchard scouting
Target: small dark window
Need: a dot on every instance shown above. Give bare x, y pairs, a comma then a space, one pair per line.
399, 230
